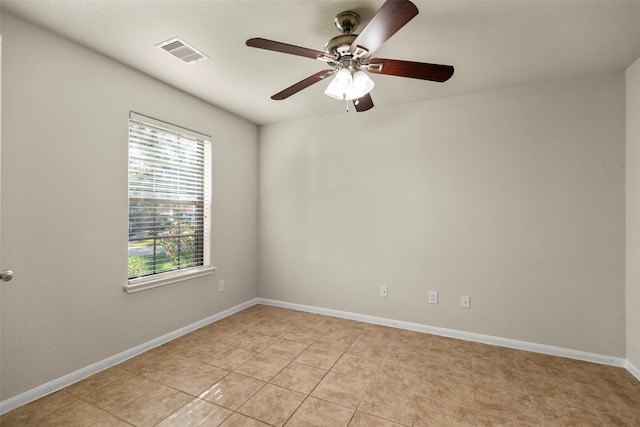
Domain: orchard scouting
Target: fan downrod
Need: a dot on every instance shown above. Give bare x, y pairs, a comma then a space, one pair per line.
347, 22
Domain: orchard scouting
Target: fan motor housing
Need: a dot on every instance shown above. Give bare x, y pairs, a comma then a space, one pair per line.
339, 45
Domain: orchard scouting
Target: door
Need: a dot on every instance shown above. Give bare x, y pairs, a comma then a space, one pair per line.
1, 265
5, 273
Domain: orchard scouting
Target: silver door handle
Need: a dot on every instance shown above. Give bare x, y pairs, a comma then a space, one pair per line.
6, 275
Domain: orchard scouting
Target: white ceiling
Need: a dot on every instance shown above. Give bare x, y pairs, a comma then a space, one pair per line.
492, 44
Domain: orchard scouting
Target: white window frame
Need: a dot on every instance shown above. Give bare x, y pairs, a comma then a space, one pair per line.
165, 278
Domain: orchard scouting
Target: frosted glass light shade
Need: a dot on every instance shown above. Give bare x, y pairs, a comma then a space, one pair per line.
347, 87
362, 84
340, 85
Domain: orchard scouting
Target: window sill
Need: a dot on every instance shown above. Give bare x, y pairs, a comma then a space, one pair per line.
144, 283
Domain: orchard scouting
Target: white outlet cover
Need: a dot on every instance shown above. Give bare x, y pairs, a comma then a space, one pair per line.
433, 297
465, 301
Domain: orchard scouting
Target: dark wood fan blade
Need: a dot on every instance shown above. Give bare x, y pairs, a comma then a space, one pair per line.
302, 84
363, 104
414, 70
290, 49
392, 16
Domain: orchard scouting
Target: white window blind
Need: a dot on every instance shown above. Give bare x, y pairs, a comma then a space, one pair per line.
169, 203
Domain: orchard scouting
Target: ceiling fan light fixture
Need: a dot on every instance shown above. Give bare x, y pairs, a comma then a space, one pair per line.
349, 56
346, 86
339, 86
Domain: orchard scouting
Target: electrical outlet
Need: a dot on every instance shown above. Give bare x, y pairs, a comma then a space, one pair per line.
433, 297
465, 301
220, 285
384, 292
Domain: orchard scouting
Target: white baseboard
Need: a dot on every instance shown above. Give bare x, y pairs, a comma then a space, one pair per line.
632, 369
67, 380
452, 333
60, 383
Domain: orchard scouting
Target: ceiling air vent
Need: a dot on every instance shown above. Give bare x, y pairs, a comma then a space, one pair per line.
182, 50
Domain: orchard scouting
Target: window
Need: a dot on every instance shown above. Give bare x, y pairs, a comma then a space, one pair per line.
169, 203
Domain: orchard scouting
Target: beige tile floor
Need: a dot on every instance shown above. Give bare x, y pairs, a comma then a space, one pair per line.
268, 366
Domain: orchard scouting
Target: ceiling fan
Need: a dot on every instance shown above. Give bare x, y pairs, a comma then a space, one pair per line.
349, 56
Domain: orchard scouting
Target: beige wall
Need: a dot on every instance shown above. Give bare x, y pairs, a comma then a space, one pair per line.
633, 214
64, 209
514, 197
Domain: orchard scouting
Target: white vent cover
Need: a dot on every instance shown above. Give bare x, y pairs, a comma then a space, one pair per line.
182, 50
